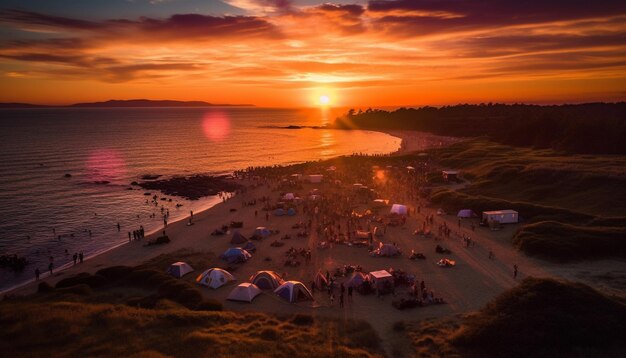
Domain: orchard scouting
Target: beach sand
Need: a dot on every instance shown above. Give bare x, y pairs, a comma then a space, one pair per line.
467, 287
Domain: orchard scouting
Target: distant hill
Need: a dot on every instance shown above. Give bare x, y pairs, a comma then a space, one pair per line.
131, 103
22, 105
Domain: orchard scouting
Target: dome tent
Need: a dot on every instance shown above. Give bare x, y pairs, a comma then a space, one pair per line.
266, 280
214, 278
294, 291
235, 255
179, 269
238, 238
245, 292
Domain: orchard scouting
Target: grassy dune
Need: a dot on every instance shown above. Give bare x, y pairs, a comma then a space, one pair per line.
140, 312
73, 329
573, 205
546, 318
538, 318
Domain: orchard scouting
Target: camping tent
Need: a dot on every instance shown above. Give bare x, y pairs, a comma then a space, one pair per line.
387, 250
315, 178
501, 216
266, 280
235, 255
291, 212
320, 281
378, 278
355, 280
179, 269
466, 213
398, 209
238, 238
250, 247
262, 231
279, 212
245, 292
289, 196
294, 291
214, 278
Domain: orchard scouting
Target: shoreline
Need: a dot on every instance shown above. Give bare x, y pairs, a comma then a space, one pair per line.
411, 141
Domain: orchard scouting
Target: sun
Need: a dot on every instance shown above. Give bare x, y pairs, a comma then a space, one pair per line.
324, 100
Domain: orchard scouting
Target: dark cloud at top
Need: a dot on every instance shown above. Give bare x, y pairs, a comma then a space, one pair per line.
176, 27
428, 16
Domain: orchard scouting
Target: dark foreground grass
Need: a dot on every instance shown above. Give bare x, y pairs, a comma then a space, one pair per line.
546, 318
73, 329
538, 318
573, 206
141, 312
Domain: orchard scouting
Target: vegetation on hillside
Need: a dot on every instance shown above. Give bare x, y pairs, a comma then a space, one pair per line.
583, 128
141, 312
546, 318
572, 206
538, 318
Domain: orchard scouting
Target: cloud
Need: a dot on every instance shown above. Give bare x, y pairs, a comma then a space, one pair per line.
179, 27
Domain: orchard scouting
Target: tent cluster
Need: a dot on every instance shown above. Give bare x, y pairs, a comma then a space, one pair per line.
291, 291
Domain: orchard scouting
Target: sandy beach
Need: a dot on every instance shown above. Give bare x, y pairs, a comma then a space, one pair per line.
468, 286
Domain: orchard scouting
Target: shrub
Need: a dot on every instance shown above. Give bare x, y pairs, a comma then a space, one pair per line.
209, 305
270, 334
44, 287
93, 281
115, 273
303, 320
79, 289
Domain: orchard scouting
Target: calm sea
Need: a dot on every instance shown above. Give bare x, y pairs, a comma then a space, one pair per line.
104, 150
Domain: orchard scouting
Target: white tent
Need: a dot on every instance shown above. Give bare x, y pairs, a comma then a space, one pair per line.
501, 216
398, 209
214, 278
466, 213
294, 291
266, 280
289, 196
378, 278
245, 292
315, 178
179, 269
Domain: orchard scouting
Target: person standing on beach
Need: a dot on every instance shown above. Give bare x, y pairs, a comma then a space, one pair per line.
50, 267
191, 212
350, 293
80, 257
341, 300
75, 257
514, 271
37, 274
118, 227
129, 236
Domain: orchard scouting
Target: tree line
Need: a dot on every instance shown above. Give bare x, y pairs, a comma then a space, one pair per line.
593, 128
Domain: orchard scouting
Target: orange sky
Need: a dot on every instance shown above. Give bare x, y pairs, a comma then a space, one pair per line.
288, 53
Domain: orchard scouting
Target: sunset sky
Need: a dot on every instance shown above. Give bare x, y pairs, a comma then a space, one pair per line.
284, 53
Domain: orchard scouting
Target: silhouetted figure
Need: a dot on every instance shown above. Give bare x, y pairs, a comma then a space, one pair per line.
75, 257
80, 257
514, 271
50, 267
118, 227
37, 273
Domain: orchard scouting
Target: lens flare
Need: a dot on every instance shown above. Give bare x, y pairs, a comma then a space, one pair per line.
216, 126
105, 165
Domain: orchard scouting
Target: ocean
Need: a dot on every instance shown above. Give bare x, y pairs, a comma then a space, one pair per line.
104, 149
